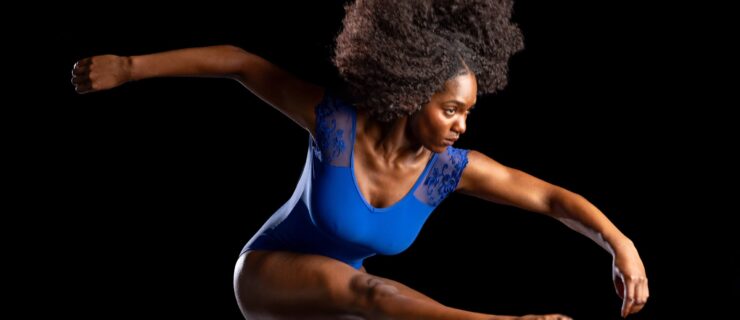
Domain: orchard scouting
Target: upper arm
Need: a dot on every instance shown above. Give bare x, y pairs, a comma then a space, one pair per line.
287, 93
487, 179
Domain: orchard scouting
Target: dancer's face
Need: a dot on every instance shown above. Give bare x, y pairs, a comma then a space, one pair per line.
441, 121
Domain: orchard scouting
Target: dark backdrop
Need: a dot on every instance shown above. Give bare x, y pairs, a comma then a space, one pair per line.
158, 184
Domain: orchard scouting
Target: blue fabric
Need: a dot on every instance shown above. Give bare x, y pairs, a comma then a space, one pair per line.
327, 213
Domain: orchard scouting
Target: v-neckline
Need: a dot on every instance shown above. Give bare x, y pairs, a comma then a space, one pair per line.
354, 177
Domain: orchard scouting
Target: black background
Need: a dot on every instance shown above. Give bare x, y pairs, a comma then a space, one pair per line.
148, 192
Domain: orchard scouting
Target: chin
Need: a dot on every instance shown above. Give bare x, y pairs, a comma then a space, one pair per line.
436, 147
439, 148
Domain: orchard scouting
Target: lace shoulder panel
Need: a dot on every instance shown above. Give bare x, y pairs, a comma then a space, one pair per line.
334, 130
443, 177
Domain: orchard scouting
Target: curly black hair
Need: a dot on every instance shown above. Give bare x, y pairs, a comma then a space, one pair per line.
394, 55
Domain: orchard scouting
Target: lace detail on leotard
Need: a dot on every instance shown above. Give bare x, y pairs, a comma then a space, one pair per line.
334, 125
443, 177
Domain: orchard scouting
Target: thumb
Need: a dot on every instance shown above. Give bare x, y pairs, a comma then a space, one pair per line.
619, 286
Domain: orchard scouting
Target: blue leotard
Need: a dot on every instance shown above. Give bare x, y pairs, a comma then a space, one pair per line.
327, 213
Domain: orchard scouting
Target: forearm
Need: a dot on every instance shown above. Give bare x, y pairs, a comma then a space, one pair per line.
580, 215
628, 271
224, 61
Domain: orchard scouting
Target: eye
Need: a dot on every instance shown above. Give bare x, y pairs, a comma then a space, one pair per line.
450, 111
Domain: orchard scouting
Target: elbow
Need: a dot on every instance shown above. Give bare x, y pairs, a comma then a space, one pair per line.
560, 202
237, 60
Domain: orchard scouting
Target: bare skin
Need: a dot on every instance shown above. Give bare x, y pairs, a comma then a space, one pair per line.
285, 285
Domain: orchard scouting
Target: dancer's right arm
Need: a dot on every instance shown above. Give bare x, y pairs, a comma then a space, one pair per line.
292, 96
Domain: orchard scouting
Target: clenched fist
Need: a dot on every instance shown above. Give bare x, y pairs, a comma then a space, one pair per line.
100, 73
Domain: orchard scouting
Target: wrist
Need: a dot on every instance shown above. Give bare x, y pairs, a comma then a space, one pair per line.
130, 63
621, 244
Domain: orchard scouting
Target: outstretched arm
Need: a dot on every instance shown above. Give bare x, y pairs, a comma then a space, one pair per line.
487, 179
292, 96
109, 71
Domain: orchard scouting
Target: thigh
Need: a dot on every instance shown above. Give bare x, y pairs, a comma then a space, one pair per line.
289, 285
286, 285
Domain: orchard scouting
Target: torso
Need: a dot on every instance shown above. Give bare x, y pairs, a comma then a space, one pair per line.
381, 184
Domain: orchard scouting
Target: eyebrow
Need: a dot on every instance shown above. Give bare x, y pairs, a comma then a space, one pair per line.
461, 103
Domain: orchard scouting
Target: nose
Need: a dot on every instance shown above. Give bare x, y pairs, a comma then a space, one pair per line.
459, 126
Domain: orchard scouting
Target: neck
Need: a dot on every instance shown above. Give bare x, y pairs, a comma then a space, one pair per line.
392, 141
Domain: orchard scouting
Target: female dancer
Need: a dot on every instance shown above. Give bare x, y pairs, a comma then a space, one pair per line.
380, 157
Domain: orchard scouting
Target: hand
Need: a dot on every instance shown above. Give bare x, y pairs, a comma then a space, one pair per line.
100, 73
545, 317
630, 280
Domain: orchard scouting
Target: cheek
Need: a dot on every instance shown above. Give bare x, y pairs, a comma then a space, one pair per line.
422, 131
438, 126
430, 128
435, 134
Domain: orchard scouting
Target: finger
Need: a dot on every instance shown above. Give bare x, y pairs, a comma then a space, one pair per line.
78, 70
83, 63
619, 286
641, 295
647, 290
80, 80
629, 297
83, 87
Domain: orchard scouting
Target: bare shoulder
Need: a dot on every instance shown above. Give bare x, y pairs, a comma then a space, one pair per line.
479, 167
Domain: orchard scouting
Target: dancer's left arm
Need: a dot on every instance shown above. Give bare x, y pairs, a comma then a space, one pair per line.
487, 179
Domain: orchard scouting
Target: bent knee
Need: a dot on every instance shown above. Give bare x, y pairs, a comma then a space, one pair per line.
380, 289
371, 291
